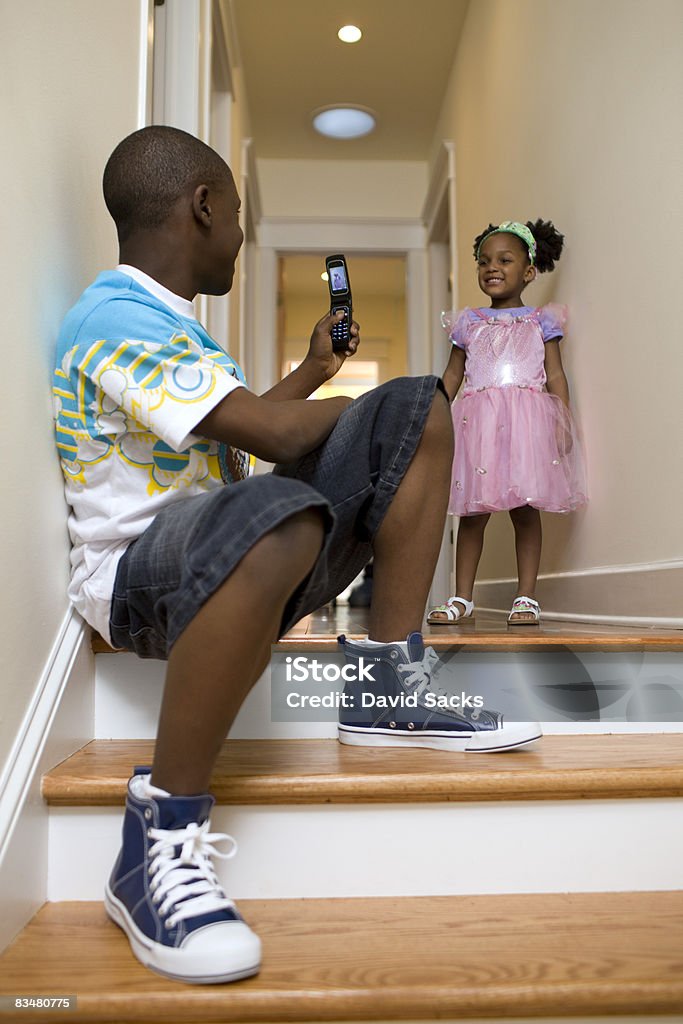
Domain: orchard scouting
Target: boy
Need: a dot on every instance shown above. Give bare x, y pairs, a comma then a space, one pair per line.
152, 418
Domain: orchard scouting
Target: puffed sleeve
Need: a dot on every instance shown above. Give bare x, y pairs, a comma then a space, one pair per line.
456, 322
552, 319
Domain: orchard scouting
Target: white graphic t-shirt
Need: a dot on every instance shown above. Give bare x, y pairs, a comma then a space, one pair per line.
135, 373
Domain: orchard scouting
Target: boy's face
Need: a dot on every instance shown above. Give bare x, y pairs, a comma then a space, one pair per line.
224, 241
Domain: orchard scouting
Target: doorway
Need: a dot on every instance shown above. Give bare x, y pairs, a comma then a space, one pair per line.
379, 298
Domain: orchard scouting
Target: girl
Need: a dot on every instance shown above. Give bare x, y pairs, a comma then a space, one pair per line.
516, 447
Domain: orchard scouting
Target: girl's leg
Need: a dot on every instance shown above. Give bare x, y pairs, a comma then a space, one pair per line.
528, 539
467, 554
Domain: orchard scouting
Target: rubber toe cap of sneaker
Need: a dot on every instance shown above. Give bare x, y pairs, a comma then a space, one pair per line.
217, 950
514, 734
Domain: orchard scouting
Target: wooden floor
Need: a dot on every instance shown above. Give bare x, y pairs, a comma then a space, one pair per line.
325, 771
487, 632
380, 959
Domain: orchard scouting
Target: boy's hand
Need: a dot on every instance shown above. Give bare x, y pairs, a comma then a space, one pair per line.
320, 348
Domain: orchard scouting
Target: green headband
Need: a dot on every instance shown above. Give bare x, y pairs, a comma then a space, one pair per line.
513, 227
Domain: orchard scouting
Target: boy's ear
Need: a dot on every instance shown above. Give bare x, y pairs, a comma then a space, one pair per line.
201, 206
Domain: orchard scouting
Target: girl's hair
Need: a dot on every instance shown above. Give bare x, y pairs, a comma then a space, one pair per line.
549, 243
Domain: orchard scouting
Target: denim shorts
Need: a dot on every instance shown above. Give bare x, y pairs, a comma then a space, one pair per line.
192, 546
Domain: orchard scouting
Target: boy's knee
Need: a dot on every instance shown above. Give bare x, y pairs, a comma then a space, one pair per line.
295, 542
305, 527
438, 428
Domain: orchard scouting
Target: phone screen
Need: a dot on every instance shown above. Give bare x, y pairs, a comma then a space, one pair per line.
338, 281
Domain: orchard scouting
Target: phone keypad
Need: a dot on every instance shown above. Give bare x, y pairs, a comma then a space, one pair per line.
340, 331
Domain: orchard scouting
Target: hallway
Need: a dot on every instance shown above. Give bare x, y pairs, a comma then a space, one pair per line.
541, 884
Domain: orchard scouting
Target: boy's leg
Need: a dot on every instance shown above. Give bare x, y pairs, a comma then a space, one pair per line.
163, 890
386, 471
407, 544
224, 650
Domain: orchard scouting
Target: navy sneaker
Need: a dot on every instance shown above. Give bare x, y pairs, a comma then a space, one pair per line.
392, 702
164, 893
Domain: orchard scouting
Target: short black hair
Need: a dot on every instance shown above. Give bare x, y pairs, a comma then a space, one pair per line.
150, 170
549, 243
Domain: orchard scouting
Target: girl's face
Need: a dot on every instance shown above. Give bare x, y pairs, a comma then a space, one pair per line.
504, 270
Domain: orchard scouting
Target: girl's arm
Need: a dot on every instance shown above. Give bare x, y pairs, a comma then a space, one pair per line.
556, 381
454, 372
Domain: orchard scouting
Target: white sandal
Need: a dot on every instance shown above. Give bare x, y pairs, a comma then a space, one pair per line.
452, 613
528, 605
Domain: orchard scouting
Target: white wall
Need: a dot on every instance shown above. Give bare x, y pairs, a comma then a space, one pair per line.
344, 188
70, 93
570, 110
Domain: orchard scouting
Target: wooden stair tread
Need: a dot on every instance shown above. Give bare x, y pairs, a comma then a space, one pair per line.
486, 634
302, 771
380, 959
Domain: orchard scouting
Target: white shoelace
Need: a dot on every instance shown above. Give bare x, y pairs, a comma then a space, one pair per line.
419, 673
187, 883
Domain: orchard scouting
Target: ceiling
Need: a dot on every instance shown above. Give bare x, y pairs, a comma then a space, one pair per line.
293, 63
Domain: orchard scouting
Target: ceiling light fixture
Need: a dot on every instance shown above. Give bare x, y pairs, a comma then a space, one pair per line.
344, 121
349, 33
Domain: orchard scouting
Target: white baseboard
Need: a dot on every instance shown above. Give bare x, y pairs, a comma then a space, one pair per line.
58, 722
641, 595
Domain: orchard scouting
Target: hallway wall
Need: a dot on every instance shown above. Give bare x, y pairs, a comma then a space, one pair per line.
567, 110
73, 95
330, 189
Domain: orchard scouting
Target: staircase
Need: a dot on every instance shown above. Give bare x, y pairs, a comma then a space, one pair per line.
400, 885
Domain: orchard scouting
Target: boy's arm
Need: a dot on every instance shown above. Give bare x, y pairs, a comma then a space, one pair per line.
556, 381
454, 372
278, 431
321, 362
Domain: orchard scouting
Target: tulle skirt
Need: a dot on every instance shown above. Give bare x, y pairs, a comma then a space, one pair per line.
515, 446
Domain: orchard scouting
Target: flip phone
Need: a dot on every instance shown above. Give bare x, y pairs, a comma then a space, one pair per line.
340, 298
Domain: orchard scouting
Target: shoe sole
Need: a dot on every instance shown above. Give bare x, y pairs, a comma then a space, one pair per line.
464, 620
441, 741
143, 948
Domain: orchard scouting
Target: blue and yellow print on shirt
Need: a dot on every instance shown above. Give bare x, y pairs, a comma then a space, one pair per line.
132, 380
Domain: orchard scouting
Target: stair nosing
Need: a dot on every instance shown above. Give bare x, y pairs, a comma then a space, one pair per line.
379, 777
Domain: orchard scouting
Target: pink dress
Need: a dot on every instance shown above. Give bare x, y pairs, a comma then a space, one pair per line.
515, 443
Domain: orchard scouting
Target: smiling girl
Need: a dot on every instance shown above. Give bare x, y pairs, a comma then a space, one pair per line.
516, 447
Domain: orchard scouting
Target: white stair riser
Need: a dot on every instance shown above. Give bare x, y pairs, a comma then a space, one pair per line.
407, 849
128, 695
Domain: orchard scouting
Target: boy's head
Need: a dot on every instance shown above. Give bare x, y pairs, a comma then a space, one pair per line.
162, 181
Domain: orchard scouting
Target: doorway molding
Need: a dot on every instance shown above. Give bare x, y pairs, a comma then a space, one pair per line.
439, 217
291, 236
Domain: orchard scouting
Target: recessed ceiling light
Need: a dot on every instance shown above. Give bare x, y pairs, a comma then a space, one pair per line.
325, 276
349, 33
343, 122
